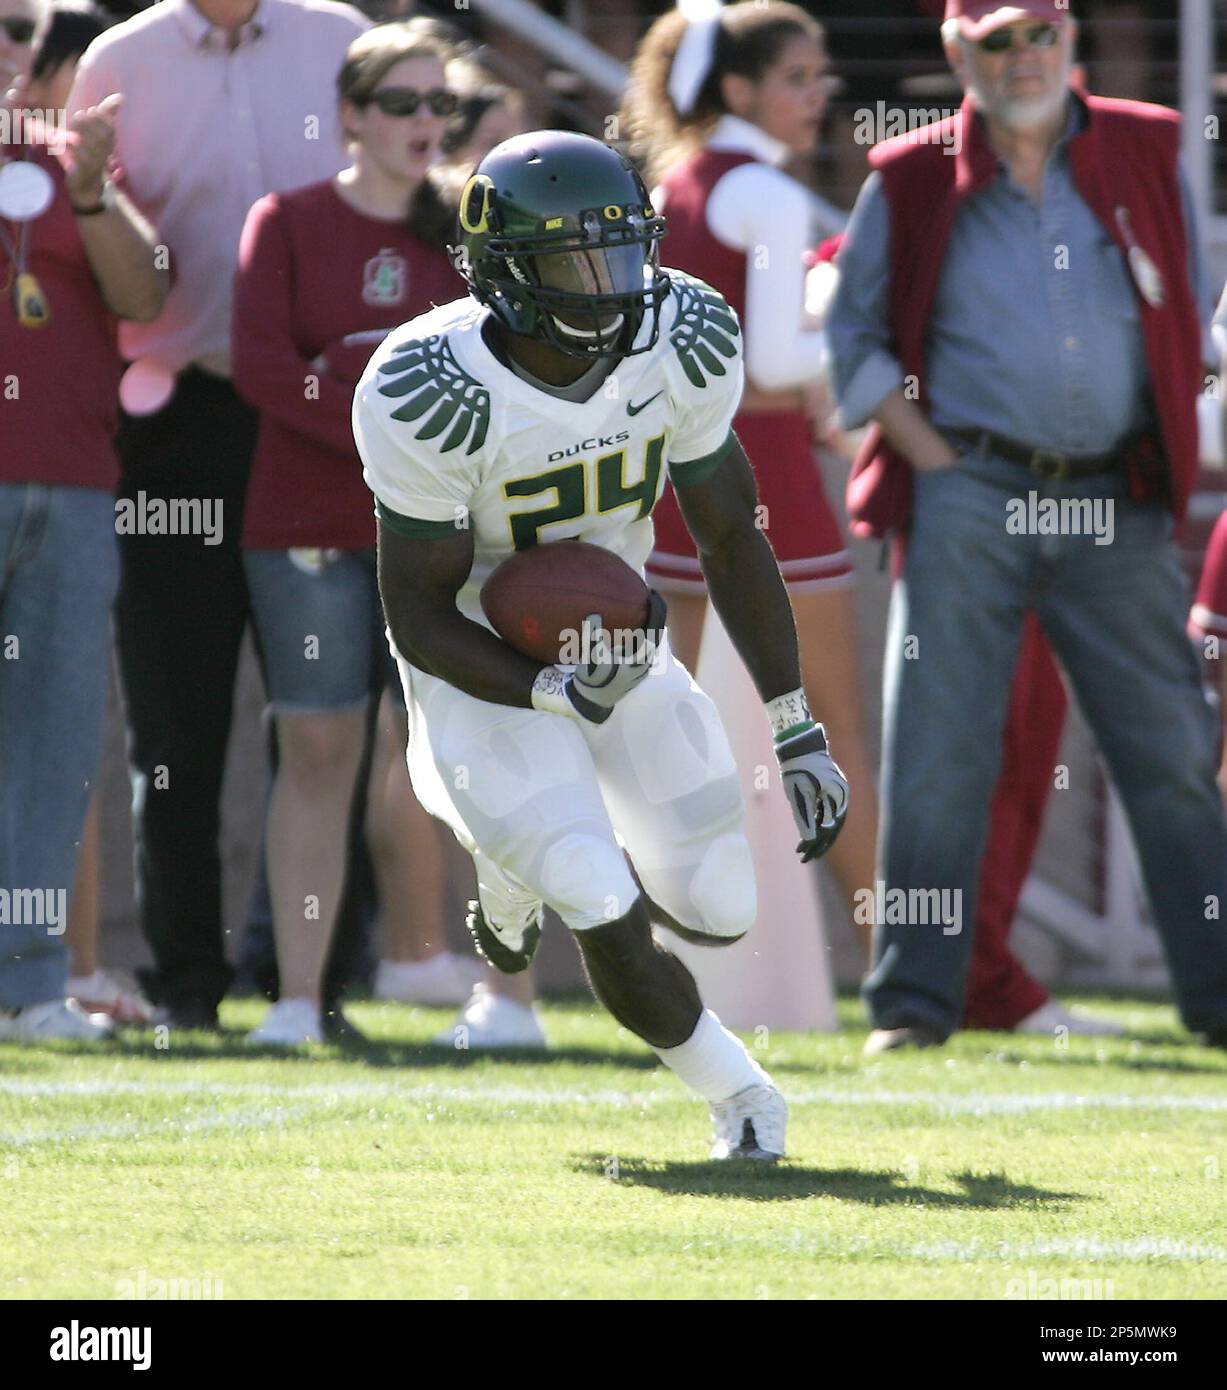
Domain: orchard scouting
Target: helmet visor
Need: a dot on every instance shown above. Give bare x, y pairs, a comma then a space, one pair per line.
603, 270
586, 289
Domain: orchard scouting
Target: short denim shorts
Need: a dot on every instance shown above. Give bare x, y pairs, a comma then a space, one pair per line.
321, 629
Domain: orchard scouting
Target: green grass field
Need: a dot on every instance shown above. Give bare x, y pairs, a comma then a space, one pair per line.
999, 1167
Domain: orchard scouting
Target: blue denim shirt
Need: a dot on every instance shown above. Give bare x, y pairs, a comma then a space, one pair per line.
1035, 332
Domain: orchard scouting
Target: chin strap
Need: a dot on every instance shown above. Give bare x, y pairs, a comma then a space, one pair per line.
589, 334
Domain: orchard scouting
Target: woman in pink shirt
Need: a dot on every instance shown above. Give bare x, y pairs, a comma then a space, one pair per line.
324, 272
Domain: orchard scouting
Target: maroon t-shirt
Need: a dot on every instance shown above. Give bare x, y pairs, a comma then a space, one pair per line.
313, 271
59, 383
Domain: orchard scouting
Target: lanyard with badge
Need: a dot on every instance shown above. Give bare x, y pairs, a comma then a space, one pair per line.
26, 191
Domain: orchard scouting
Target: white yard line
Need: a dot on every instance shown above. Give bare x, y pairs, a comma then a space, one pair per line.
1138, 1250
952, 1103
249, 1117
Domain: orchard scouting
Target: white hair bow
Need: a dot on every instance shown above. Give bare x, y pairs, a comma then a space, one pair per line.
693, 59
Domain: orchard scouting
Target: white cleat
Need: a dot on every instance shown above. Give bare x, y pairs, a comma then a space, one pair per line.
492, 1020
1050, 1016
52, 1020
447, 978
751, 1124
289, 1023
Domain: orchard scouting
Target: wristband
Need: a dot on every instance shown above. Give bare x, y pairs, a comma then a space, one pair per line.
789, 714
550, 692
554, 692
106, 201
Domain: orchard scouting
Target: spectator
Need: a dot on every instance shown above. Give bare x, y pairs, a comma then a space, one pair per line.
18, 21
324, 272
226, 100
78, 254
1017, 313
715, 119
1208, 616
488, 112
63, 35
1001, 994
500, 1011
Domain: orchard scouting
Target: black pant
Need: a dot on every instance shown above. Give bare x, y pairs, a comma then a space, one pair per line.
180, 617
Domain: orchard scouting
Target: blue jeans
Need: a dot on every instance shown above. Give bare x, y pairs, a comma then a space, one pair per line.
1115, 616
59, 573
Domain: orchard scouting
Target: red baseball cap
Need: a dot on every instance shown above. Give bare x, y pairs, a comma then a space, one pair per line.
979, 17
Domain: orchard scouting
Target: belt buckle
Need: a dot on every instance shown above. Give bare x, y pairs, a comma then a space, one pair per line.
1047, 464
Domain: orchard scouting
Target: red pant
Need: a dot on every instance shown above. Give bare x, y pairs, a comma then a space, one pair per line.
1000, 993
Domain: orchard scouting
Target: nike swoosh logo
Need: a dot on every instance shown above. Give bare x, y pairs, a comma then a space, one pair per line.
633, 409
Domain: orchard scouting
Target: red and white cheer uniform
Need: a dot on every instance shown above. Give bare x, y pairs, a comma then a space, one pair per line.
742, 225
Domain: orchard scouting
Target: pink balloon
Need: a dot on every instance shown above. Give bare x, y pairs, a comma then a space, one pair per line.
146, 387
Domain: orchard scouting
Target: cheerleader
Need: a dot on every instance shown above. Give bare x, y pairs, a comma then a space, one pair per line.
720, 99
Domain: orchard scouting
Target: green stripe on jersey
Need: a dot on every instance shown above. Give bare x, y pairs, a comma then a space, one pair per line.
699, 470
412, 527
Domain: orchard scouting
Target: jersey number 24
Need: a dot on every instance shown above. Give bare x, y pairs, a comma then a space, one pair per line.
570, 486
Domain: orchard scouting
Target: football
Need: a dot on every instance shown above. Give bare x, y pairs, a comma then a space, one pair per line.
537, 599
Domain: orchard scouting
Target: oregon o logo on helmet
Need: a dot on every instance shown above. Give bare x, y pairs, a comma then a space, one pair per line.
471, 220
612, 212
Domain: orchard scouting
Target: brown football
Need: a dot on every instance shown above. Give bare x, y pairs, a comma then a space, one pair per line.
537, 599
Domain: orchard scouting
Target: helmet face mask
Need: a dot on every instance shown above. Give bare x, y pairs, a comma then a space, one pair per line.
559, 241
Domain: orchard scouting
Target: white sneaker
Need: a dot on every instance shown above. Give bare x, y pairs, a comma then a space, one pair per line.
751, 1124
493, 1020
54, 1018
289, 1023
1050, 1016
99, 993
443, 979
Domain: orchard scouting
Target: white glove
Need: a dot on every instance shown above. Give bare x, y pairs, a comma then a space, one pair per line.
817, 789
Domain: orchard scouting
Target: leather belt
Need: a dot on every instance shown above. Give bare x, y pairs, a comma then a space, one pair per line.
1044, 463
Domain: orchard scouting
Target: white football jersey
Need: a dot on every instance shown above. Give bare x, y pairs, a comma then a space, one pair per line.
450, 437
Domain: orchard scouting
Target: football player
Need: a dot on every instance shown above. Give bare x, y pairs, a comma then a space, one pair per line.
548, 406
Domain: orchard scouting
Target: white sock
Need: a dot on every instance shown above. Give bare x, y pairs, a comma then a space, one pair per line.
713, 1061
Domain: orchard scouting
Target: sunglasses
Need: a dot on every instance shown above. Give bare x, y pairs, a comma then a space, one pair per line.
404, 101
18, 30
1002, 40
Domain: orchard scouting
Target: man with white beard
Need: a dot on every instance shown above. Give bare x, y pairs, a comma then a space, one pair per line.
1017, 313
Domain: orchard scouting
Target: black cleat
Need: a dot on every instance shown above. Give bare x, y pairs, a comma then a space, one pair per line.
491, 947
339, 1028
189, 1015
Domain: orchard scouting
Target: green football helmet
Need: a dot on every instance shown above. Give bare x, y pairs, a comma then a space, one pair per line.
559, 240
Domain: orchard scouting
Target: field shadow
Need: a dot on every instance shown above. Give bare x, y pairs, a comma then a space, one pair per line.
792, 1182
1193, 1058
419, 1055
232, 1046
1216, 1062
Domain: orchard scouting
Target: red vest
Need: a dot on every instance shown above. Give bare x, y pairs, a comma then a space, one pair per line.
690, 245
1125, 158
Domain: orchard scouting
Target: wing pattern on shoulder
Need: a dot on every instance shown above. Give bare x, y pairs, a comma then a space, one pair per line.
426, 371
704, 331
